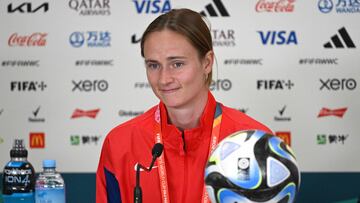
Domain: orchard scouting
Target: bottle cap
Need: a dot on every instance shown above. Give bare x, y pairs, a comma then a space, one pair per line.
49, 163
18, 149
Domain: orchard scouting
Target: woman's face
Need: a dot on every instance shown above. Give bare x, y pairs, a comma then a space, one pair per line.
174, 69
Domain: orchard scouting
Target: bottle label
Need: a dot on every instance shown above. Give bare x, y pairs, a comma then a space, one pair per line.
18, 177
50, 195
19, 198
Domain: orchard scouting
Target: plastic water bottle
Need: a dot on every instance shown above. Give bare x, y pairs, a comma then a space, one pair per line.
18, 176
50, 186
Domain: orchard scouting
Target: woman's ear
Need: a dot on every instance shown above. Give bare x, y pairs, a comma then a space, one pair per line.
208, 61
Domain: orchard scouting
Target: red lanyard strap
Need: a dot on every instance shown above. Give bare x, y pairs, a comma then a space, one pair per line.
215, 134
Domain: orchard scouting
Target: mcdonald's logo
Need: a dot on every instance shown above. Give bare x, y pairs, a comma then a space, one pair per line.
37, 140
285, 136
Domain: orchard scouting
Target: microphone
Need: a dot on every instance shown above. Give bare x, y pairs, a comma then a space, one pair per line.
156, 152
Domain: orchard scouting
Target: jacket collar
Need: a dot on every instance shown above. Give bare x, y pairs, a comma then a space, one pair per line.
172, 136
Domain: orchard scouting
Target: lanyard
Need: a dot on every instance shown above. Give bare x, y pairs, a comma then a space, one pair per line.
215, 133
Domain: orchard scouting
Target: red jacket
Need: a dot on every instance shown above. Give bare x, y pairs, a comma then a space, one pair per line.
132, 142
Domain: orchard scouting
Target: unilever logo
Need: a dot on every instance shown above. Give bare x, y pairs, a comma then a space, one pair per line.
90, 39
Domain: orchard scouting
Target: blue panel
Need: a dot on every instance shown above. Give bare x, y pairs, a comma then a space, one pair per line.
112, 187
315, 187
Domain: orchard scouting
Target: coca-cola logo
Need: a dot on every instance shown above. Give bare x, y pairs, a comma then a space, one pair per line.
275, 6
35, 39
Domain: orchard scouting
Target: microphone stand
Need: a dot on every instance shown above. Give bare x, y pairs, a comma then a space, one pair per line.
156, 152
137, 189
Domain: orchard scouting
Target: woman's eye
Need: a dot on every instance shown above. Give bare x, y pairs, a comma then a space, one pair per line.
152, 65
178, 64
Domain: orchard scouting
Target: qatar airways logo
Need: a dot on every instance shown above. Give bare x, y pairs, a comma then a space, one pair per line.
223, 38
324, 112
37, 39
90, 7
275, 6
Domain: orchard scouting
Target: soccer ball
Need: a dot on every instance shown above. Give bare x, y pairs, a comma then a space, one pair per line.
252, 166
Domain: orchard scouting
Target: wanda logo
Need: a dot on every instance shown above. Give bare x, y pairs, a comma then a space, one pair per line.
35, 39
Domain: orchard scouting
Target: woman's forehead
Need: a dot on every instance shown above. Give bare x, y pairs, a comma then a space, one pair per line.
167, 44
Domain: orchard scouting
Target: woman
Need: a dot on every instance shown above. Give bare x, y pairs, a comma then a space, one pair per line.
178, 53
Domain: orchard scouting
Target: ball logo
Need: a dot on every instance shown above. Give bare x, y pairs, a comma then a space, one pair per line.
338, 84
274, 84
281, 37
27, 86
220, 84
244, 168
152, 6
275, 6
35, 39
90, 85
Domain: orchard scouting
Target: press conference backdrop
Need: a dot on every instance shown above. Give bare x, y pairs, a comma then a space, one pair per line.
71, 70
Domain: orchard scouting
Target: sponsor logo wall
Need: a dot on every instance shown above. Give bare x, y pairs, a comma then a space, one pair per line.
72, 70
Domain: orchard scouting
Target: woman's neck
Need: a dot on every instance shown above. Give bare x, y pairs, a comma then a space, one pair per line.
188, 117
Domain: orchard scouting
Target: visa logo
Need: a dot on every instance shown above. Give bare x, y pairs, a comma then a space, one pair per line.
152, 6
278, 37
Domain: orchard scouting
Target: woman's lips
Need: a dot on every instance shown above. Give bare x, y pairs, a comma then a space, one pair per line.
169, 90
